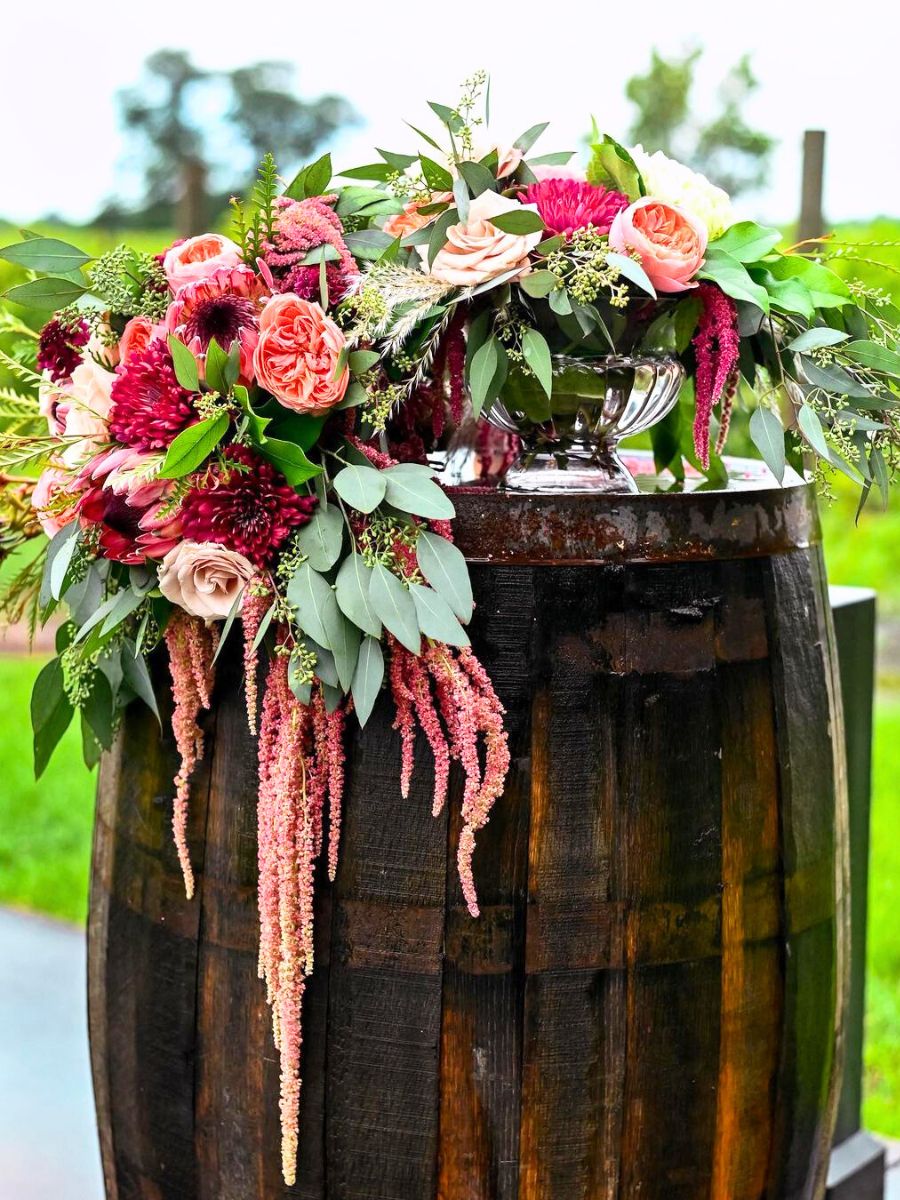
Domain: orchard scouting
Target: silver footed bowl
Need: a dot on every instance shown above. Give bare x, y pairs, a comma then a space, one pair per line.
569, 439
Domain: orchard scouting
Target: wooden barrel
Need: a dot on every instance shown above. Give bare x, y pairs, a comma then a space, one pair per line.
649, 1007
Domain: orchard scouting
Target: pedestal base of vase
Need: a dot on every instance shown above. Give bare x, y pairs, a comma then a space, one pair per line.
578, 470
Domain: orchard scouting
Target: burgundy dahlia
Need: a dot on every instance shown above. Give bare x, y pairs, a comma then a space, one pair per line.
248, 507
149, 405
566, 205
60, 346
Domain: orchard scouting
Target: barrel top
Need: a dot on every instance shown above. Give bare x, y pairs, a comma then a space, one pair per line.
753, 516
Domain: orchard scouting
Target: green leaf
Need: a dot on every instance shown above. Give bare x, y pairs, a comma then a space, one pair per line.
435, 617
733, 278
537, 356
461, 197
98, 710
411, 492
49, 293
301, 689
186, 370
290, 460
811, 428
558, 158
446, 115
312, 180
478, 178
813, 339
539, 283
785, 295
363, 488
126, 602
262, 629
229, 621
523, 220
354, 396
834, 379
768, 437
367, 678
437, 177
369, 244
344, 642
444, 566
394, 606
612, 166
437, 233
63, 548
379, 172
826, 289
482, 371
361, 361
315, 602
632, 269
747, 241
352, 592
51, 713
216, 366
371, 201
192, 446
873, 357
321, 538
45, 255
526, 140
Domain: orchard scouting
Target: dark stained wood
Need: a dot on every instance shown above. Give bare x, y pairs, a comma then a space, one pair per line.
649, 1005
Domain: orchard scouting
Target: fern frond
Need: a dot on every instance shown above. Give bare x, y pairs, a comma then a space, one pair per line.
12, 324
19, 370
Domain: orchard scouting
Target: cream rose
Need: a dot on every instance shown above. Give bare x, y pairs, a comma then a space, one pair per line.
204, 578
672, 182
476, 250
89, 396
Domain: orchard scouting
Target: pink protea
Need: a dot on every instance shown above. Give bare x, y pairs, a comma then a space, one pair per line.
149, 405
717, 346
245, 504
566, 205
225, 306
301, 226
128, 506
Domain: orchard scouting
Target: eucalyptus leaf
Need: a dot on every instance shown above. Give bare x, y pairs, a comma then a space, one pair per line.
263, 628
59, 558
361, 361
137, 676
632, 269
537, 356
321, 538
413, 493
526, 140
519, 220
316, 604
539, 283
444, 566
367, 678
436, 618
768, 436
482, 371
394, 606
363, 488
51, 713
874, 357
344, 644
127, 602
811, 428
814, 339
45, 255
352, 592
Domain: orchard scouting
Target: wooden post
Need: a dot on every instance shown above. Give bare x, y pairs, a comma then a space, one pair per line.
857, 1160
811, 223
192, 217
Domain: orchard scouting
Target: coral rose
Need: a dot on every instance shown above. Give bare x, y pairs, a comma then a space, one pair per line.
669, 241
137, 336
204, 578
476, 250
412, 219
297, 355
198, 257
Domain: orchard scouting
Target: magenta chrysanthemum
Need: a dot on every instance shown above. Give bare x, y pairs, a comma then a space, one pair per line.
717, 346
149, 405
304, 225
566, 205
225, 306
247, 506
60, 346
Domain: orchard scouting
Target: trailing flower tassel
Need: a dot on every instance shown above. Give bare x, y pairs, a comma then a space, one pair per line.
254, 606
717, 348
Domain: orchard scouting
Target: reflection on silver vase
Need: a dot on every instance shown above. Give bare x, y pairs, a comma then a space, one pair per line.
569, 439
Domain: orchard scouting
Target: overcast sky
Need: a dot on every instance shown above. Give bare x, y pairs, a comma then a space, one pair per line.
834, 67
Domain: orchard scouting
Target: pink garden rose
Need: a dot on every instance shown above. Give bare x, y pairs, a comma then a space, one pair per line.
198, 257
476, 250
204, 578
88, 398
670, 242
297, 355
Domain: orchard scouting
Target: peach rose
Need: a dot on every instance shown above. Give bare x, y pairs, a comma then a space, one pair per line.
476, 250
412, 218
204, 578
297, 354
198, 257
137, 336
53, 483
670, 242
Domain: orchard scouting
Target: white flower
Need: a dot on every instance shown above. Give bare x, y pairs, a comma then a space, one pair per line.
674, 183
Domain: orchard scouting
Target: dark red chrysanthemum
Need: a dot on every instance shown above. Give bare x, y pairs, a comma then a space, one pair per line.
566, 205
60, 346
247, 506
149, 405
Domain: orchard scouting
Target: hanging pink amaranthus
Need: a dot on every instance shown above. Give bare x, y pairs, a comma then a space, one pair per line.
301, 767
254, 607
191, 648
717, 348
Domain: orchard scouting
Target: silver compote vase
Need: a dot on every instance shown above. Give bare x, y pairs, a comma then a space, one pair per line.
569, 439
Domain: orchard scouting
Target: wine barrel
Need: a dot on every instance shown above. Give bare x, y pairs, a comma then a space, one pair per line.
649, 1005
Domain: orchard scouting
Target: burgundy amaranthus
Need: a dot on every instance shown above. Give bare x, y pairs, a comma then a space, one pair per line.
149, 405
301, 226
60, 346
192, 646
247, 506
717, 349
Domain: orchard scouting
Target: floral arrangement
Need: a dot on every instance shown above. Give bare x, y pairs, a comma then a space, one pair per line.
252, 426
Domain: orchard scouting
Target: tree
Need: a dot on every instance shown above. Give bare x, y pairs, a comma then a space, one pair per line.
188, 126
726, 149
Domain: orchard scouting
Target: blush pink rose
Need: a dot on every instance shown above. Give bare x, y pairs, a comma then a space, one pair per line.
137, 336
670, 242
476, 250
297, 355
53, 484
198, 257
89, 396
204, 578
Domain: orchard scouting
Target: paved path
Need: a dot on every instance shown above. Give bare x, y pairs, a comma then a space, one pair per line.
48, 1141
